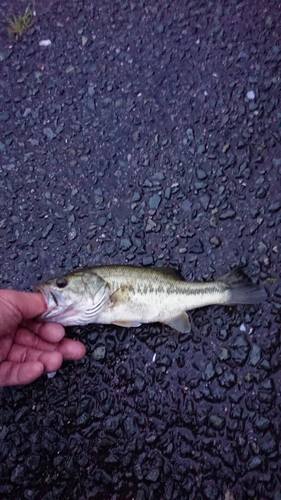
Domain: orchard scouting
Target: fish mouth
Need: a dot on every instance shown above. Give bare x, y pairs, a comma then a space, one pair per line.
57, 311
50, 298
53, 301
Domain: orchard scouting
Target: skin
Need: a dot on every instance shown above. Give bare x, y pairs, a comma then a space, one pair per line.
29, 348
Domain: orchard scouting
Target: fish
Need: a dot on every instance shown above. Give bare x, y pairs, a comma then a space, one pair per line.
130, 296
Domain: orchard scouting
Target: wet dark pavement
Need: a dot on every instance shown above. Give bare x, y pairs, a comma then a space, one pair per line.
146, 133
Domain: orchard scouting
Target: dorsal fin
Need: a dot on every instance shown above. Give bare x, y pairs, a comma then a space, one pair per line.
169, 271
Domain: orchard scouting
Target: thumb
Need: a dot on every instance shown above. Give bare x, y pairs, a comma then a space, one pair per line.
26, 305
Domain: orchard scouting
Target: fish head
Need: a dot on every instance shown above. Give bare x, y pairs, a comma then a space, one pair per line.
73, 299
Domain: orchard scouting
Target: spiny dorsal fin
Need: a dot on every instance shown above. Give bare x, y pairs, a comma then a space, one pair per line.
169, 271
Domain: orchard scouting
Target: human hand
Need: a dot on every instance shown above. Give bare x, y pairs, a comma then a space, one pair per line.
28, 347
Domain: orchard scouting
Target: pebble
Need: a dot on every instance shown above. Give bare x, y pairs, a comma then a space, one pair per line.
45, 43
196, 247
217, 422
147, 260
201, 174
49, 133
255, 355
205, 201
153, 475
224, 354
275, 207
215, 241
186, 205
209, 372
228, 214
150, 225
154, 201
251, 95
240, 350
190, 134
99, 353
125, 244
72, 234
47, 230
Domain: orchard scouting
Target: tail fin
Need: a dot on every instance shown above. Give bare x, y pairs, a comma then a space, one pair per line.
241, 289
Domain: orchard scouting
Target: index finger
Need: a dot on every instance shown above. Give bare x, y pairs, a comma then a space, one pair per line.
52, 332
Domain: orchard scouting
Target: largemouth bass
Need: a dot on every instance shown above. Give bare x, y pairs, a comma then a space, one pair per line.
129, 296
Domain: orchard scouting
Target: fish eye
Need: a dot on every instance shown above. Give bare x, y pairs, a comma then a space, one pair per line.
62, 282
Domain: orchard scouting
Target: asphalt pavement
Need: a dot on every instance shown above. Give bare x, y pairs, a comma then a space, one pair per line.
146, 133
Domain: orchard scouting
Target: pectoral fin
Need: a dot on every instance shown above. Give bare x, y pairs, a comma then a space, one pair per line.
179, 323
121, 295
121, 298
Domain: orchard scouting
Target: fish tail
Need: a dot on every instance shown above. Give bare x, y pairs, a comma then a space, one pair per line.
240, 288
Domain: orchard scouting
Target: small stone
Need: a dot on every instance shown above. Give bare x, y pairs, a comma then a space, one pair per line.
205, 201
47, 230
18, 474
200, 185
154, 201
255, 355
91, 103
254, 463
186, 205
228, 214
197, 247
276, 162
213, 221
241, 350
224, 354
102, 221
153, 475
201, 174
262, 423
251, 95
125, 243
225, 148
45, 43
167, 193
150, 225
261, 192
99, 352
274, 207
136, 197
72, 234
147, 260
201, 149
49, 133
209, 371
217, 422
215, 241
190, 134
4, 117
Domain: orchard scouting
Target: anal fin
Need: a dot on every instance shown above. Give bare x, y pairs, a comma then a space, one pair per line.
127, 324
179, 323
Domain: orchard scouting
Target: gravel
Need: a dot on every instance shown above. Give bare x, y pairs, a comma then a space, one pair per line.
146, 133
